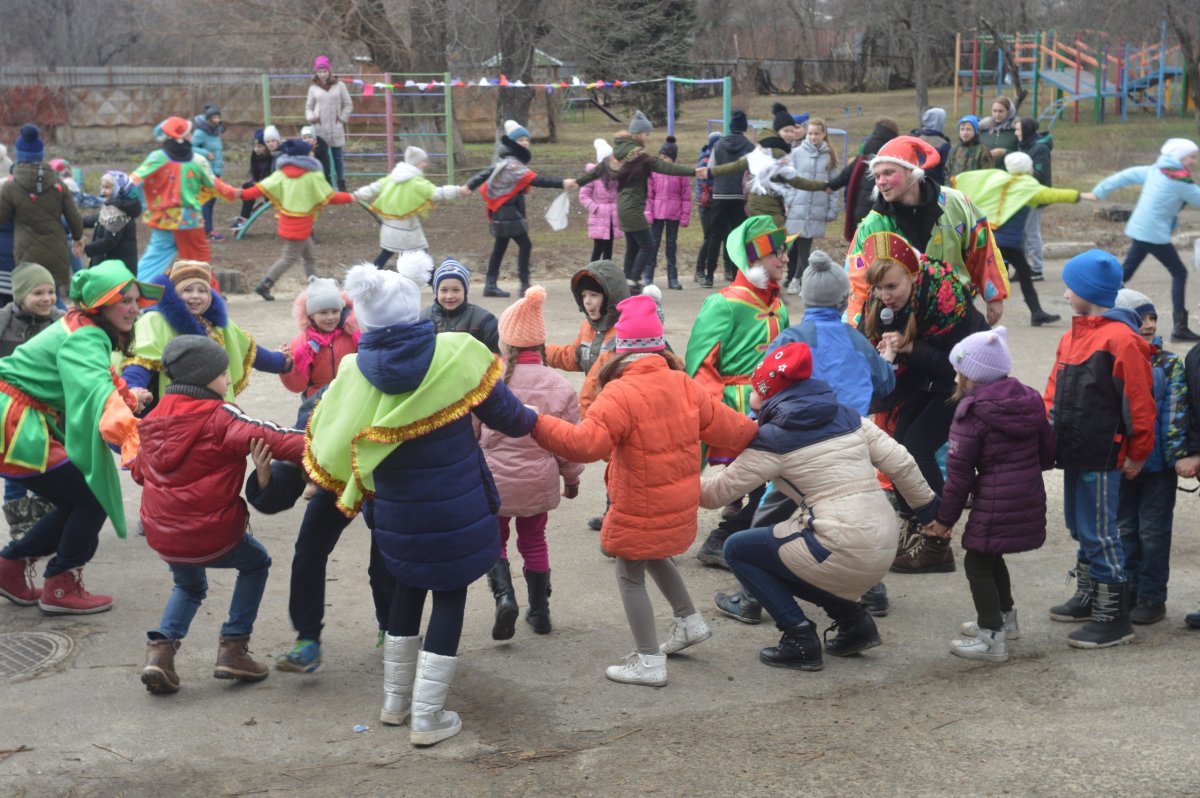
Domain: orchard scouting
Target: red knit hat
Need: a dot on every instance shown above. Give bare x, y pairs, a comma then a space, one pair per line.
788, 364
176, 127
638, 327
912, 153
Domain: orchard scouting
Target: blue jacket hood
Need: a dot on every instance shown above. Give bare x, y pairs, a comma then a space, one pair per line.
801, 415
1126, 315
395, 359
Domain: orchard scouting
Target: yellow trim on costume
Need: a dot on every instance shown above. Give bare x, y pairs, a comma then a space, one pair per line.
276, 203
247, 364
424, 207
146, 363
26, 412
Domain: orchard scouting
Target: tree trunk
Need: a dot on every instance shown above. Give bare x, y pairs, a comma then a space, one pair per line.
517, 57
1182, 25
921, 71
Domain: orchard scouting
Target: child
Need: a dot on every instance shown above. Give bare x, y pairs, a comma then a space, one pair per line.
31, 311
668, 207
1146, 510
503, 186
450, 311
969, 153
401, 199
653, 477
1038, 149
527, 476
298, 190
599, 199
823, 455
116, 225
704, 202
207, 143
262, 163
320, 148
191, 468
1000, 442
328, 332
809, 211
1100, 400
435, 504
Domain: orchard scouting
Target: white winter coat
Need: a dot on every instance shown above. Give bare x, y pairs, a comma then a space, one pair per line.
328, 110
809, 211
840, 500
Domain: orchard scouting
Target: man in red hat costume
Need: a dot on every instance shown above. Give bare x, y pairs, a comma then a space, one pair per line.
938, 220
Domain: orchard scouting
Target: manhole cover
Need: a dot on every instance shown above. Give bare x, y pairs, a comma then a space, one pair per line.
23, 655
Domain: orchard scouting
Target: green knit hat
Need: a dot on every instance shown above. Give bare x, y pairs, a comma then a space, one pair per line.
104, 283
755, 238
27, 277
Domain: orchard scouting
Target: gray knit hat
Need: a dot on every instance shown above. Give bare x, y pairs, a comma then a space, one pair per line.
322, 294
824, 285
194, 360
639, 123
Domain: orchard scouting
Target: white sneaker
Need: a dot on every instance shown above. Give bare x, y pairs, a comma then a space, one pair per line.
1011, 630
647, 669
988, 646
686, 632
794, 287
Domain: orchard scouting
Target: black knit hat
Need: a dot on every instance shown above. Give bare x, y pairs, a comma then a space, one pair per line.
194, 360
781, 117
738, 122
669, 149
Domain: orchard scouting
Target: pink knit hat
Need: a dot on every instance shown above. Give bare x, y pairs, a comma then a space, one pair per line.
638, 327
522, 323
321, 62
983, 357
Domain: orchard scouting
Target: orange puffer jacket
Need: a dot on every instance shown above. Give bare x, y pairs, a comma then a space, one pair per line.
649, 423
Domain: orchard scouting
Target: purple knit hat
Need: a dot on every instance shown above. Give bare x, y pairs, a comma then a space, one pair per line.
983, 357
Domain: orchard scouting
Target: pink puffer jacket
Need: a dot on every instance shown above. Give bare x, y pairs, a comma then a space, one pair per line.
669, 197
600, 199
527, 476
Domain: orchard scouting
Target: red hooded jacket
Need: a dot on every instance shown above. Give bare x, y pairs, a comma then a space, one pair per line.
191, 468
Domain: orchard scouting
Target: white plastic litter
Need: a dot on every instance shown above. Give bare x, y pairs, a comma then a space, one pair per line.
558, 211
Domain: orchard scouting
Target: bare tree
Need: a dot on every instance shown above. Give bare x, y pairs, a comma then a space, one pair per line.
518, 35
1184, 18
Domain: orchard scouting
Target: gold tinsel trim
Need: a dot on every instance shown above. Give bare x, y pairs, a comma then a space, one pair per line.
247, 364
424, 206
146, 363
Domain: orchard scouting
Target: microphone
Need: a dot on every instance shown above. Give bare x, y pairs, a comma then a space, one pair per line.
887, 317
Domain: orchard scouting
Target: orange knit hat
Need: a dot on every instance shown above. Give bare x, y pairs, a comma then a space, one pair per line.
522, 323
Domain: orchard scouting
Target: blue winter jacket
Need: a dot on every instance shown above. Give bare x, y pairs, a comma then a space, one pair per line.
207, 139
436, 505
1012, 233
842, 357
1171, 409
1156, 214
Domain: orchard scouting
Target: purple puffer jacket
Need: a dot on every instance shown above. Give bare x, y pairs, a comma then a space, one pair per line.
1000, 442
669, 197
600, 199
527, 476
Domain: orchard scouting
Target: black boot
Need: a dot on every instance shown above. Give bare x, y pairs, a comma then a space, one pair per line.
1079, 606
1181, 331
740, 606
500, 581
538, 615
799, 648
875, 601
1109, 625
523, 274
1037, 316
341, 185
712, 553
491, 289
855, 633
263, 289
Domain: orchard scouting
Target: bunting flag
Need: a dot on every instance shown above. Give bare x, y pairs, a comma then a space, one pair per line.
502, 82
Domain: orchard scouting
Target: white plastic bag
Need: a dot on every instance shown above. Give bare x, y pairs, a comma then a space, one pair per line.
558, 211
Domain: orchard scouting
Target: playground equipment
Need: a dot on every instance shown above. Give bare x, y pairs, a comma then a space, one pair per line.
1074, 71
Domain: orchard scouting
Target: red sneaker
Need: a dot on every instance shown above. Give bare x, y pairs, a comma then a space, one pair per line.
64, 594
16, 581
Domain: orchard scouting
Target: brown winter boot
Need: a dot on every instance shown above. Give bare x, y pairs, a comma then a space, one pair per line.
159, 674
234, 661
929, 555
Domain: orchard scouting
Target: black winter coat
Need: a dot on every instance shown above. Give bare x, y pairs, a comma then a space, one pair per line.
860, 203
120, 245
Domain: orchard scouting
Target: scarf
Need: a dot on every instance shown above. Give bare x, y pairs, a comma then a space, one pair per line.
302, 356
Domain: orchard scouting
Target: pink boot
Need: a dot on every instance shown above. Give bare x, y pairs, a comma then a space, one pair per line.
64, 594
16, 581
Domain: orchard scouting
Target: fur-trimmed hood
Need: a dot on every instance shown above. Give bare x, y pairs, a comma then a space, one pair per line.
177, 315
302, 319
511, 149
305, 162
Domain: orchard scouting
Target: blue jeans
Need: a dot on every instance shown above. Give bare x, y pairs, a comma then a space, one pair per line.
1147, 509
753, 556
206, 210
252, 562
339, 164
1090, 503
70, 532
14, 490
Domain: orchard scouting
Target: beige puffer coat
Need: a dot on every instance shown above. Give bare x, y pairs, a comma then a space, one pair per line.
834, 483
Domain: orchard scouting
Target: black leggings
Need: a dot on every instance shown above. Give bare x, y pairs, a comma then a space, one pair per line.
991, 588
71, 531
639, 248
524, 248
922, 427
1168, 256
602, 249
445, 621
1015, 257
724, 216
705, 214
798, 258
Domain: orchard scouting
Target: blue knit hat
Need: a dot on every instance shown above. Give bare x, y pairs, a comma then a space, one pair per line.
515, 130
1094, 276
971, 120
296, 148
451, 268
29, 145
